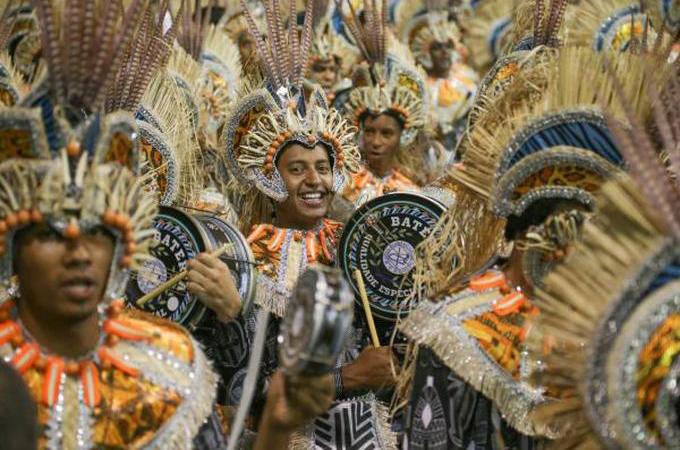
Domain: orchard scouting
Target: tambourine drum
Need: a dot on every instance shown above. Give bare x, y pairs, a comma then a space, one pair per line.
317, 322
380, 240
178, 238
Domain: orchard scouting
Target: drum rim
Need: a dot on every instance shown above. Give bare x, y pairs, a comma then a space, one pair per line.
356, 219
252, 283
177, 215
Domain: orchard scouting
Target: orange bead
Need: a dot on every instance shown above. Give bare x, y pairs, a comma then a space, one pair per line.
24, 216
112, 340
269, 159
12, 220
106, 364
72, 368
108, 217
73, 149
126, 261
18, 339
120, 220
36, 216
131, 248
41, 363
72, 230
3, 226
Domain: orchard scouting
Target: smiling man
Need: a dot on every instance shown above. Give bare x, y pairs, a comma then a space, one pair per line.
292, 156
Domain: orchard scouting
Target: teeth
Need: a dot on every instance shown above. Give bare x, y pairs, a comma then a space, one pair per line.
312, 196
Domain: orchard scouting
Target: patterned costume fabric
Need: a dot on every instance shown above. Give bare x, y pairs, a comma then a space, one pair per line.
479, 334
365, 186
131, 393
448, 414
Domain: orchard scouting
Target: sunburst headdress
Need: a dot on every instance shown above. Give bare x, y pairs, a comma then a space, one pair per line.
488, 32
279, 112
617, 25
392, 82
608, 338
422, 23
64, 161
553, 144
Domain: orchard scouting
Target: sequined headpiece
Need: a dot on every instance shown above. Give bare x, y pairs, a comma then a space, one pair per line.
392, 83
619, 293
269, 118
64, 160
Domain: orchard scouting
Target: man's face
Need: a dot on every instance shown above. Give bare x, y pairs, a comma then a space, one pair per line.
325, 73
308, 177
440, 53
381, 139
63, 279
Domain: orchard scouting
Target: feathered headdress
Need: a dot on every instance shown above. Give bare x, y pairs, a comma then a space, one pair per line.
488, 32
421, 23
617, 25
392, 82
615, 360
266, 120
64, 161
547, 144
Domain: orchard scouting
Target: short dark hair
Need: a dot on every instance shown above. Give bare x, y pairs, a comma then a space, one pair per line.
537, 213
390, 113
18, 413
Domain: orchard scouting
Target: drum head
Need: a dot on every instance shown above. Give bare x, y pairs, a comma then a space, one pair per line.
380, 240
239, 258
177, 239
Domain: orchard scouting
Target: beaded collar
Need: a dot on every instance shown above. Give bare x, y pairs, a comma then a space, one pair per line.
139, 363
283, 254
366, 186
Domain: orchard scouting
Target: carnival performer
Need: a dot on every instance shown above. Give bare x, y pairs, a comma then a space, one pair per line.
76, 218
435, 42
291, 154
623, 391
489, 311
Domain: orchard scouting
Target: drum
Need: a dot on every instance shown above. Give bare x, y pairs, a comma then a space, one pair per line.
317, 322
380, 240
178, 238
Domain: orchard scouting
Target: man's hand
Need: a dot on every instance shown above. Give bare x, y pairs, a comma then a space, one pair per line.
291, 404
209, 279
373, 370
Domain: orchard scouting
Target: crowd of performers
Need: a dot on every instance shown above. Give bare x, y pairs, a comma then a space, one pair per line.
349, 224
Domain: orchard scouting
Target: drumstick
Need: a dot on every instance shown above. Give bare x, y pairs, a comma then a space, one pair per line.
141, 301
367, 308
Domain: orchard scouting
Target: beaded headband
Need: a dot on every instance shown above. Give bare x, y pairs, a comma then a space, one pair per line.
66, 163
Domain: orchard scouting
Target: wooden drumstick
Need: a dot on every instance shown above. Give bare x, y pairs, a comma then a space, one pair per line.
141, 301
367, 307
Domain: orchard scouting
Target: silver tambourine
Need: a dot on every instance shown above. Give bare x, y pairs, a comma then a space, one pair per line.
317, 323
179, 237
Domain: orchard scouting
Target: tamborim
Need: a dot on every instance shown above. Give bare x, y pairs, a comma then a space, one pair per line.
178, 238
380, 240
317, 322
